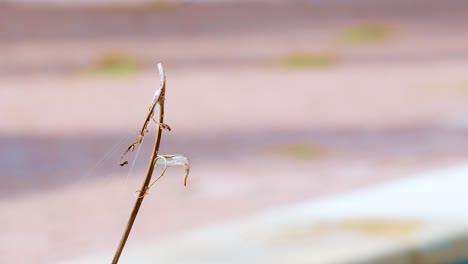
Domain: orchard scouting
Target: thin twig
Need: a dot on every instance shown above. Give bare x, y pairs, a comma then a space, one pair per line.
157, 100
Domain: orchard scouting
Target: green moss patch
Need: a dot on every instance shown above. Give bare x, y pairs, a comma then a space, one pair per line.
307, 61
367, 33
298, 151
116, 64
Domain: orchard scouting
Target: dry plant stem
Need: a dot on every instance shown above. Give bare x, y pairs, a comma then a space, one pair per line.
149, 173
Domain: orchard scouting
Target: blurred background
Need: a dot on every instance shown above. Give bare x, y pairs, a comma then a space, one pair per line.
274, 102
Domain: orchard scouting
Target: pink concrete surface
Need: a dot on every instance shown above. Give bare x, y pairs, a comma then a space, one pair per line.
382, 112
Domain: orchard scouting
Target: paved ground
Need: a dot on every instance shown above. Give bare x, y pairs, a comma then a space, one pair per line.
259, 135
411, 221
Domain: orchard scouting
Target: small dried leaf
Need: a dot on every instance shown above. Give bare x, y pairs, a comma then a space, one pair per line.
162, 125
132, 146
175, 160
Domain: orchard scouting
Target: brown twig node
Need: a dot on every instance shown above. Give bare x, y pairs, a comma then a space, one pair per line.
169, 160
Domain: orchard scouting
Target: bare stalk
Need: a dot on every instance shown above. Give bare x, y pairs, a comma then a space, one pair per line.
158, 100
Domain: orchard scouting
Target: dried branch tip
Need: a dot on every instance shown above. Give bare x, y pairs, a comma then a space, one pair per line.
157, 98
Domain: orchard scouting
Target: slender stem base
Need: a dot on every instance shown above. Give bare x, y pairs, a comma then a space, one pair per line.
143, 190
